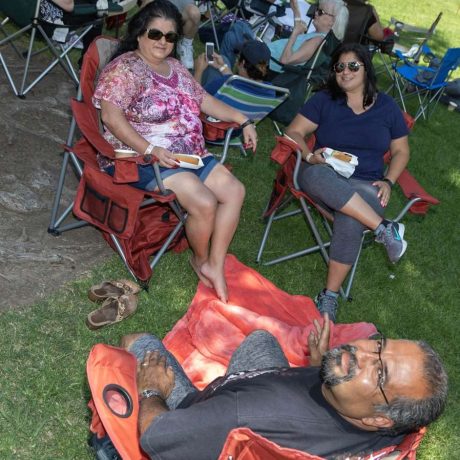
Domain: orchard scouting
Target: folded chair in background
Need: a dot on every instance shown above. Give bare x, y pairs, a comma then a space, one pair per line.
301, 80
254, 99
220, 17
26, 15
137, 224
286, 191
407, 35
426, 82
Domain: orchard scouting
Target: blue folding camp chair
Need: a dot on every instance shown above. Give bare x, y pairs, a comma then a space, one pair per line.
425, 82
254, 99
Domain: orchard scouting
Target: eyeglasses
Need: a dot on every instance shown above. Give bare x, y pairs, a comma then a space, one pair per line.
380, 371
321, 12
353, 66
157, 35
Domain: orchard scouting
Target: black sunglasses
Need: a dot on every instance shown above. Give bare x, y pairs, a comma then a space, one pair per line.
157, 35
353, 66
381, 377
321, 12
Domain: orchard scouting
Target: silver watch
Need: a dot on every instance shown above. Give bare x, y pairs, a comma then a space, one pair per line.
149, 393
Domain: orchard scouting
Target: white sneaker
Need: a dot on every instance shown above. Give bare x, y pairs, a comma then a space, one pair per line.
185, 52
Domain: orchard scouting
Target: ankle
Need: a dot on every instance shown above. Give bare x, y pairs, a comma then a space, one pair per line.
382, 226
330, 293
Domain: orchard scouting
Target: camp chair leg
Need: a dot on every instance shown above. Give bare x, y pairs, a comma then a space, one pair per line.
122, 254
228, 137
166, 244
8, 75
55, 222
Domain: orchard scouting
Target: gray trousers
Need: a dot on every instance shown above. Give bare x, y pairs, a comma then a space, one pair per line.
259, 350
333, 191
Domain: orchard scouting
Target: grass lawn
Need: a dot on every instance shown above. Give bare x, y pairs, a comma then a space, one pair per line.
44, 347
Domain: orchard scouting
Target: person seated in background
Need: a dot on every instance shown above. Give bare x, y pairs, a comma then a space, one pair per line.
300, 47
60, 12
354, 399
252, 63
150, 105
191, 17
361, 11
350, 115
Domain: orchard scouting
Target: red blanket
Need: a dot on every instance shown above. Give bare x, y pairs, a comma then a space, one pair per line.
205, 338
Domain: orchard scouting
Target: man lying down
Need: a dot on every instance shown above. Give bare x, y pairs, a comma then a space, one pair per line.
353, 399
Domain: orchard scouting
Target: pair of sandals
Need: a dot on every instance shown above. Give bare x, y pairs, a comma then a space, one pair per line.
118, 299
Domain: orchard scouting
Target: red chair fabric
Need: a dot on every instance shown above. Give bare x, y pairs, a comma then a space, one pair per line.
108, 203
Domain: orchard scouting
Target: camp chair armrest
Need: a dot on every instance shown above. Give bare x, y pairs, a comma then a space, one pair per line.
298, 162
218, 124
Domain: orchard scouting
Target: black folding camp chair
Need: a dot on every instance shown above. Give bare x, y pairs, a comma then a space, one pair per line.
26, 15
302, 79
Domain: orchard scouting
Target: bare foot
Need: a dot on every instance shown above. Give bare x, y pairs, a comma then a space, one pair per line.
217, 278
127, 340
197, 268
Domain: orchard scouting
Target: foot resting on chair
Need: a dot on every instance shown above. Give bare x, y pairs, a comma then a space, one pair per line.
326, 302
391, 235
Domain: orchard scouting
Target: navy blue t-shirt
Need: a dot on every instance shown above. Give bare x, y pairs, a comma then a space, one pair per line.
367, 135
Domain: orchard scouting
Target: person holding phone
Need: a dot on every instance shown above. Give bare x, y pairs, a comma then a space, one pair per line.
151, 104
252, 63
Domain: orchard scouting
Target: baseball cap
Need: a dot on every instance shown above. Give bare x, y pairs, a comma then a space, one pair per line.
255, 51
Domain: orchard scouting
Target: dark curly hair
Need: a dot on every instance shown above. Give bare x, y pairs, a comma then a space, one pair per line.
370, 82
256, 72
137, 26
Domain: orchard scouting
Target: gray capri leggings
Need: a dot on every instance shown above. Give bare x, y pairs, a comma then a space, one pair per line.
333, 191
259, 350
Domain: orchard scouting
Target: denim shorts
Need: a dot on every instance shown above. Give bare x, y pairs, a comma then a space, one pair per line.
147, 179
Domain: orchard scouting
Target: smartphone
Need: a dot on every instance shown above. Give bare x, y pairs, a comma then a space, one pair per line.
209, 52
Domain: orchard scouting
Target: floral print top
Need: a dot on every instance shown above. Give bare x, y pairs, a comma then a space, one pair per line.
164, 110
50, 12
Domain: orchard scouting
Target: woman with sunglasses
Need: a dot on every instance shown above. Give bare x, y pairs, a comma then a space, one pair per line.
301, 46
151, 105
350, 115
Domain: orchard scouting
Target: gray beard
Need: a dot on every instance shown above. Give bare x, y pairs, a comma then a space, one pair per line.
333, 358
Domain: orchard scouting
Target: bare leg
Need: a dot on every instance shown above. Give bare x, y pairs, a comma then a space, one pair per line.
357, 208
229, 192
191, 16
200, 204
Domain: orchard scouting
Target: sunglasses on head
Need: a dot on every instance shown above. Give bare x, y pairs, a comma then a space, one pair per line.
353, 66
321, 12
157, 35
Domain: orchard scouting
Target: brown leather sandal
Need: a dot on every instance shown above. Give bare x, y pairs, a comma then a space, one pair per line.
106, 289
112, 310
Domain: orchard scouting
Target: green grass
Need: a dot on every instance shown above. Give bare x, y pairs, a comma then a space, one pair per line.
44, 346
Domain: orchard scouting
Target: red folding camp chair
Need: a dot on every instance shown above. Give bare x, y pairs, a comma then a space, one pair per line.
137, 224
286, 190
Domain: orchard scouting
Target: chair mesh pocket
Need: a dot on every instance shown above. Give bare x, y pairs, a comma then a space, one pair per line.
118, 218
95, 204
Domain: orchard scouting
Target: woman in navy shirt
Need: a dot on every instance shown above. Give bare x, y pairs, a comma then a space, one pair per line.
350, 115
